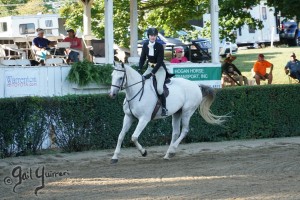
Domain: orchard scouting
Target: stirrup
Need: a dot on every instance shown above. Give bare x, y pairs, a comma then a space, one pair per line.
164, 112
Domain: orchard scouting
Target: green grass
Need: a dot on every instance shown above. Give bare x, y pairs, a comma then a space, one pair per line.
278, 56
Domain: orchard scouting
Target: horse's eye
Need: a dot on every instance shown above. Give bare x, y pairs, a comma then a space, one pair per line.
121, 78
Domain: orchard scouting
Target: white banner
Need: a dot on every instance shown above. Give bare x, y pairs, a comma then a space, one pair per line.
21, 82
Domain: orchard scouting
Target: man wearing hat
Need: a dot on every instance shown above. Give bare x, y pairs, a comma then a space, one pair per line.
40, 44
231, 73
293, 67
75, 44
260, 70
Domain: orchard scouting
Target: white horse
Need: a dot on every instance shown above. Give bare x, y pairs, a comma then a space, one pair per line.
184, 98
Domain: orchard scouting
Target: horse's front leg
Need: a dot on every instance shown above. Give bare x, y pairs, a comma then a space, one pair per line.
138, 130
127, 122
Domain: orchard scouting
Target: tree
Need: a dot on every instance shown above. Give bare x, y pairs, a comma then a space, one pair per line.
168, 15
288, 8
234, 14
38, 5
73, 13
157, 13
7, 7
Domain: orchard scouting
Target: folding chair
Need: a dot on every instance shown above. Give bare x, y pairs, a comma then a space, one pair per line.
226, 81
60, 48
292, 79
12, 52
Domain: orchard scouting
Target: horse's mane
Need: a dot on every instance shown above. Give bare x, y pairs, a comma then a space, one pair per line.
131, 73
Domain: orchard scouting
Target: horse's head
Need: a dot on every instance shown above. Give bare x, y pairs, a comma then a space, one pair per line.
118, 80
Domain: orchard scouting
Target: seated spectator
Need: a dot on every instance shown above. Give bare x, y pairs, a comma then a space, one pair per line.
41, 45
179, 57
232, 73
260, 70
75, 44
293, 67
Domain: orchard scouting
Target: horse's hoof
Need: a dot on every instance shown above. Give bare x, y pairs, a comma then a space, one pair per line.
171, 155
166, 157
145, 153
113, 161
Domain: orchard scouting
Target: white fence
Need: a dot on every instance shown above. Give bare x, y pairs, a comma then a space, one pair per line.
41, 81
18, 81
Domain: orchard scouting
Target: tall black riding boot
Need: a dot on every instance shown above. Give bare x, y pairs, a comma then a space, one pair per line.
164, 110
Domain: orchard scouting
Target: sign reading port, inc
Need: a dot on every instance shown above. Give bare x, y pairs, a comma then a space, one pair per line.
208, 74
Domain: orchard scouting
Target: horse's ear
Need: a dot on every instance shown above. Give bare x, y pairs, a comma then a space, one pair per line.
122, 65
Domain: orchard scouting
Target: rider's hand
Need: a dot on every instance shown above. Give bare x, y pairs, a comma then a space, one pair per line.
147, 76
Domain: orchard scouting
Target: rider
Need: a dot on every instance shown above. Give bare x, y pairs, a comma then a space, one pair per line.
156, 68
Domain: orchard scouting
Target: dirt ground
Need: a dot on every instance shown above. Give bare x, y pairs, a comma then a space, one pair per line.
253, 169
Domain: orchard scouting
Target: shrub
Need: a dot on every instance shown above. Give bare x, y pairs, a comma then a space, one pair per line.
86, 72
84, 122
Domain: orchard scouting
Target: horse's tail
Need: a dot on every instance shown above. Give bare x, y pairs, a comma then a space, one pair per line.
208, 95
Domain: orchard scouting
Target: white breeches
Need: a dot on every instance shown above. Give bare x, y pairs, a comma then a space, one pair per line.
160, 78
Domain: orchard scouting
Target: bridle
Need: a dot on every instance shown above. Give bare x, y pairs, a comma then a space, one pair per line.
122, 87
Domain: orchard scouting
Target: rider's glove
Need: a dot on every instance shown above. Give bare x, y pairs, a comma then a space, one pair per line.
147, 76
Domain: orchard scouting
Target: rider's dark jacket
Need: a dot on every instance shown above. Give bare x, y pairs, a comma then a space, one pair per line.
158, 57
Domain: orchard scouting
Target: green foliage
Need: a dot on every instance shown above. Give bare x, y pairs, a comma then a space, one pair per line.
160, 14
86, 72
288, 8
23, 125
233, 15
24, 7
84, 122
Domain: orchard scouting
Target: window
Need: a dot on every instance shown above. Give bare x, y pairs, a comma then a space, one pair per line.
48, 23
48, 31
3, 26
264, 13
251, 29
27, 28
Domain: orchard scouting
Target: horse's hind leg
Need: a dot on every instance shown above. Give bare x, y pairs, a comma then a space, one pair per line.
176, 118
185, 129
127, 122
138, 130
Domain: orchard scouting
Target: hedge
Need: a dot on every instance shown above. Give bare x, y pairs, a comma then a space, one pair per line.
85, 122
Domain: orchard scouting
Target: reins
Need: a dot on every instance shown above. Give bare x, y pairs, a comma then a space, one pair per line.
121, 87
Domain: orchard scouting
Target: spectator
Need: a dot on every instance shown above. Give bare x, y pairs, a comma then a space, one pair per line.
41, 45
293, 67
231, 72
179, 57
260, 70
75, 44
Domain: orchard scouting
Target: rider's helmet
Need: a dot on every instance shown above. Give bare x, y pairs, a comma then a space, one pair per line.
152, 31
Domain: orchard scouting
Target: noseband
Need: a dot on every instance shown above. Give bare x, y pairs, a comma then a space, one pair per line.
121, 87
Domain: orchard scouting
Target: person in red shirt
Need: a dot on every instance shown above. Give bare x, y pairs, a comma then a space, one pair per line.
260, 70
179, 58
75, 44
